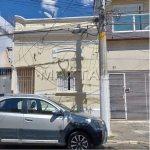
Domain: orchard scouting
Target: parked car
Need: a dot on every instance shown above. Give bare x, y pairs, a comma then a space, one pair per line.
35, 119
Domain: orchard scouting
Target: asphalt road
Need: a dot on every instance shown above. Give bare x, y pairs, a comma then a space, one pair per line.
114, 146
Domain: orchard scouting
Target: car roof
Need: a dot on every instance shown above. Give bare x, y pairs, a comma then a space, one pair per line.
20, 96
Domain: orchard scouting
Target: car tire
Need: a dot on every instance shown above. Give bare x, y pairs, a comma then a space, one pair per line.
79, 140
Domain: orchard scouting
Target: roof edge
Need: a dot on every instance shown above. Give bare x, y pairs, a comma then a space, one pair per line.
24, 21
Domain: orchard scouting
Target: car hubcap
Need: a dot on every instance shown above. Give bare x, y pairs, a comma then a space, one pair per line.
79, 142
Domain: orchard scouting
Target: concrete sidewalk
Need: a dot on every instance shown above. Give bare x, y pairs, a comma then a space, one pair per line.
134, 132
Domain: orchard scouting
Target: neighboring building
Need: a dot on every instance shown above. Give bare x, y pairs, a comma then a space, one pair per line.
45, 61
128, 58
6, 45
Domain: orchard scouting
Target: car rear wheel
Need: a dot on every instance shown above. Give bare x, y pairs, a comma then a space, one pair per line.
79, 140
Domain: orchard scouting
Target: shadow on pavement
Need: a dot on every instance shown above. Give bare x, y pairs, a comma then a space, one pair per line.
45, 147
104, 147
30, 147
112, 146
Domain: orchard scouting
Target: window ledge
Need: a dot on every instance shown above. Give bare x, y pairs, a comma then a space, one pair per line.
68, 93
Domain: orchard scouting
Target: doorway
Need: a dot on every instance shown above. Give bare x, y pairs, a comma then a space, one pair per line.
5, 80
117, 85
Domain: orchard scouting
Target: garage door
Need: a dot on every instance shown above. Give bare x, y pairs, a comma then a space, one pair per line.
117, 96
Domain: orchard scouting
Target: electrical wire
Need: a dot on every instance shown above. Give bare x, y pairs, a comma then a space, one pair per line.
51, 27
72, 8
36, 42
40, 66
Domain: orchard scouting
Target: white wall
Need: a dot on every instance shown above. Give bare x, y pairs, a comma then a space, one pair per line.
6, 40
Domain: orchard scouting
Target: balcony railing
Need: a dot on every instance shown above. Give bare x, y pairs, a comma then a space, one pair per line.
131, 22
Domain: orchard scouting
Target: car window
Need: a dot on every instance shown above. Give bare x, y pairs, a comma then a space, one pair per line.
36, 106
11, 105
59, 104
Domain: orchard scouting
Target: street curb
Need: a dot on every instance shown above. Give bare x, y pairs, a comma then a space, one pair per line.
125, 142
129, 121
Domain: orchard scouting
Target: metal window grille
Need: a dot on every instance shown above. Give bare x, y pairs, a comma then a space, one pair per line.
66, 81
25, 78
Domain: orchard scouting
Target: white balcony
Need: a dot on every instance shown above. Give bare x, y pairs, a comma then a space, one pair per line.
130, 23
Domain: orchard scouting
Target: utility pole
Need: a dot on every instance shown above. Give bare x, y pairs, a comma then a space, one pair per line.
104, 78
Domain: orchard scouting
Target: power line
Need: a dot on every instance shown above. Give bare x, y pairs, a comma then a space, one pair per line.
38, 62
51, 48
72, 8
36, 69
49, 30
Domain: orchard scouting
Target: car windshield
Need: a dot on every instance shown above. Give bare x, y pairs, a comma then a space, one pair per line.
61, 105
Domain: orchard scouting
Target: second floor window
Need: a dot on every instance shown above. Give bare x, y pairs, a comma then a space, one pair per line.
66, 81
130, 18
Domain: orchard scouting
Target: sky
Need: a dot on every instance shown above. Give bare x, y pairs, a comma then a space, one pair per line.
35, 8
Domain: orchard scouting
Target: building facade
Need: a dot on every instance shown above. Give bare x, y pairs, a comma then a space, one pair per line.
6, 45
54, 60
50, 59
128, 58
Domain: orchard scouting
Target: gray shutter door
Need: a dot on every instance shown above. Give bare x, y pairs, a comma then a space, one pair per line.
138, 97
1, 85
117, 101
5, 84
5, 81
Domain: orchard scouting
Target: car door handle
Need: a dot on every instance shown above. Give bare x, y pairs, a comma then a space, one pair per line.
28, 119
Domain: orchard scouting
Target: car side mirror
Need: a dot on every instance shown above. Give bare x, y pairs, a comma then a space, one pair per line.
56, 112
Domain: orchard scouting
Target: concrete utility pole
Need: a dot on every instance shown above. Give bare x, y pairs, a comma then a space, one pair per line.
104, 81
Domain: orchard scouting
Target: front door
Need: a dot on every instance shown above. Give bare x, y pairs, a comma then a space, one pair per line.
40, 125
117, 96
11, 120
5, 81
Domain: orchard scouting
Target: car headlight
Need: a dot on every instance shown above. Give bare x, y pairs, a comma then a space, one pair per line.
96, 123
102, 122
88, 121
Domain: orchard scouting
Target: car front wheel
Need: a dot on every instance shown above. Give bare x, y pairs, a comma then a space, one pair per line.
79, 140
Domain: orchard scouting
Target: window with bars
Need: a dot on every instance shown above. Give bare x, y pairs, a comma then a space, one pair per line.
66, 81
25, 79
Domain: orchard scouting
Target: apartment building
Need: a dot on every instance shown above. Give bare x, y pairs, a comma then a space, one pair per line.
128, 57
